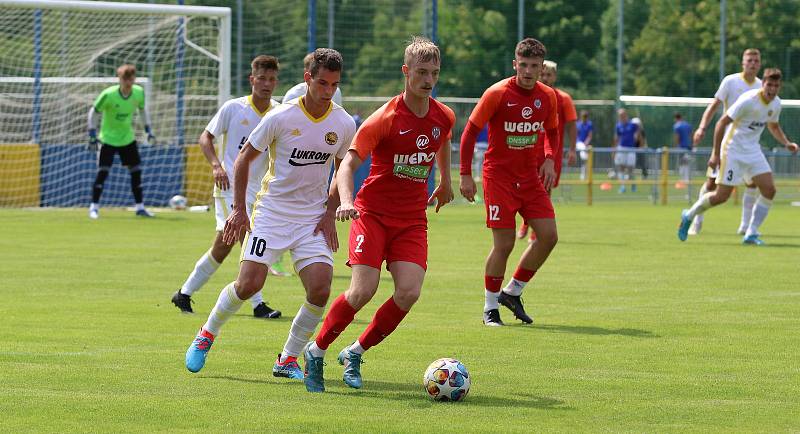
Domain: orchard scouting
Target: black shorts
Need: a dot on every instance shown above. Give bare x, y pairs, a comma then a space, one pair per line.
129, 154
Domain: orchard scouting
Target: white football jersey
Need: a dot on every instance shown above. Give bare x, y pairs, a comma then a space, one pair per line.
234, 121
301, 152
732, 87
301, 88
750, 114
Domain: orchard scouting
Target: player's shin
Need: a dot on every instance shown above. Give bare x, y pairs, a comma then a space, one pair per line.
203, 269
760, 211
303, 326
339, 316
749, 199
228, 304
385, 321
701, 206
517, 283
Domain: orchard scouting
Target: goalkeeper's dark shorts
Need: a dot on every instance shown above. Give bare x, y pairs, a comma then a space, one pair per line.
128, 154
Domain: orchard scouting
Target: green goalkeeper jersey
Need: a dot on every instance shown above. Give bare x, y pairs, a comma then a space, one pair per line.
116, 128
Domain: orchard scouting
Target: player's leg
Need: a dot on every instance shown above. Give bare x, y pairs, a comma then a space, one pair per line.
251, 278
316, 278
709, 185
130, 158
731, 170
104, 161
749, 199
766, 186
538, 211
204, 268
501, 207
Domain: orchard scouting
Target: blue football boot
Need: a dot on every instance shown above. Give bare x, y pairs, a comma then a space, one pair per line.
198, 351
352, 367
314, 368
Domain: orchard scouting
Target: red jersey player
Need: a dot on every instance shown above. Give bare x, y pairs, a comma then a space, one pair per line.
518, 109
566, 122
389, 222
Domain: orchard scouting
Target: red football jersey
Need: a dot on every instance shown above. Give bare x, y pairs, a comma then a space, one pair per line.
403, 148
517, 120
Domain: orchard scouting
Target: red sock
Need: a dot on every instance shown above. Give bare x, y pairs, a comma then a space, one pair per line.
289, 359
386, 319
206, 334
337, 319
523, 274
493, 283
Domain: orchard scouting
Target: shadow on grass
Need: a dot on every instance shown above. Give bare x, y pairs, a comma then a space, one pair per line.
407, 392
588, 330
415, 392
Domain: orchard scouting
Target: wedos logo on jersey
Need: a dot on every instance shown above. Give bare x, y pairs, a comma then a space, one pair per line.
527, 112
301, 157
422, 142
412, 166
525, 141
331, 138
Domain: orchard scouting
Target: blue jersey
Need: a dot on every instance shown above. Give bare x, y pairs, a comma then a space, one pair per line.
684, 132
627, 134
584, 128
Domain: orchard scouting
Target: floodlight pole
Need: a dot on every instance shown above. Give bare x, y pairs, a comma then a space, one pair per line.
620, 50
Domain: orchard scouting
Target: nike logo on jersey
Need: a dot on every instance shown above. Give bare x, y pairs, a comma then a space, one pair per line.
511, 104
404, 132
316, 157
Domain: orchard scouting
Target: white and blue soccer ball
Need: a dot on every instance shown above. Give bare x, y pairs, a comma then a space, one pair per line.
178, 202
447, 380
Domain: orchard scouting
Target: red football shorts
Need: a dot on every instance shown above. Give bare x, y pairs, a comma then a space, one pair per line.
504, 199
374, 239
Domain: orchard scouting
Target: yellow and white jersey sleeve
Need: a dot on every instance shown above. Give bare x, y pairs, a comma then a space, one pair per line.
301, 150
750, 114
732, 87
231, 126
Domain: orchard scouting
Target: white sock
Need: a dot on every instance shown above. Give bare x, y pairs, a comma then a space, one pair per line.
94, 207
748, 203
703, 190
139, 206
256, 299
357, 348
760, 211
491, 301
203, 269
701, 205
514, 287
303, 326
316, 351
228, 304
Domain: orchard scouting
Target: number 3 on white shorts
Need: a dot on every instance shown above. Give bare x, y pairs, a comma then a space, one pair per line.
359, 242
494, 212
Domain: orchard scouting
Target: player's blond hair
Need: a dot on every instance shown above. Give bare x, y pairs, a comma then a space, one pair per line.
772, 74
269, 63
421, 49
126, 71
751, 51
549, 64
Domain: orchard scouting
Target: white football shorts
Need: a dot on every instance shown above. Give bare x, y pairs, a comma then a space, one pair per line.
269, 241
624, 157
734, 169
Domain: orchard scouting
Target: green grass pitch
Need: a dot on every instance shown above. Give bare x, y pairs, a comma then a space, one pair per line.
634, 331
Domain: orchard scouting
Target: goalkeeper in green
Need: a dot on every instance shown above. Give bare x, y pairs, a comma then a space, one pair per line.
118, 104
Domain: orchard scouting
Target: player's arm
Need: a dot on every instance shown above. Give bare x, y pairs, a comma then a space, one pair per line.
572, 135
92, 128
700, 132
719, 132
588, 138
151, 138
443, 194
548, 171
777, 132
327, 223
206, 141
344, 183
483, 111
238, 222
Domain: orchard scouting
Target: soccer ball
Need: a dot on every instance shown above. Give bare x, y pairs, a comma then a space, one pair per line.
177, 202
447, 380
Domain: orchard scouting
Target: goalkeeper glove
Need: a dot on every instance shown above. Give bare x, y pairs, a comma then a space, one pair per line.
151, 138
93, 143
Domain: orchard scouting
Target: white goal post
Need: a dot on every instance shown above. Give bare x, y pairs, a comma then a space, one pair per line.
57, 56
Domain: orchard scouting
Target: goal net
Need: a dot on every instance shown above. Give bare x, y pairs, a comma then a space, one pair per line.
57, 56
